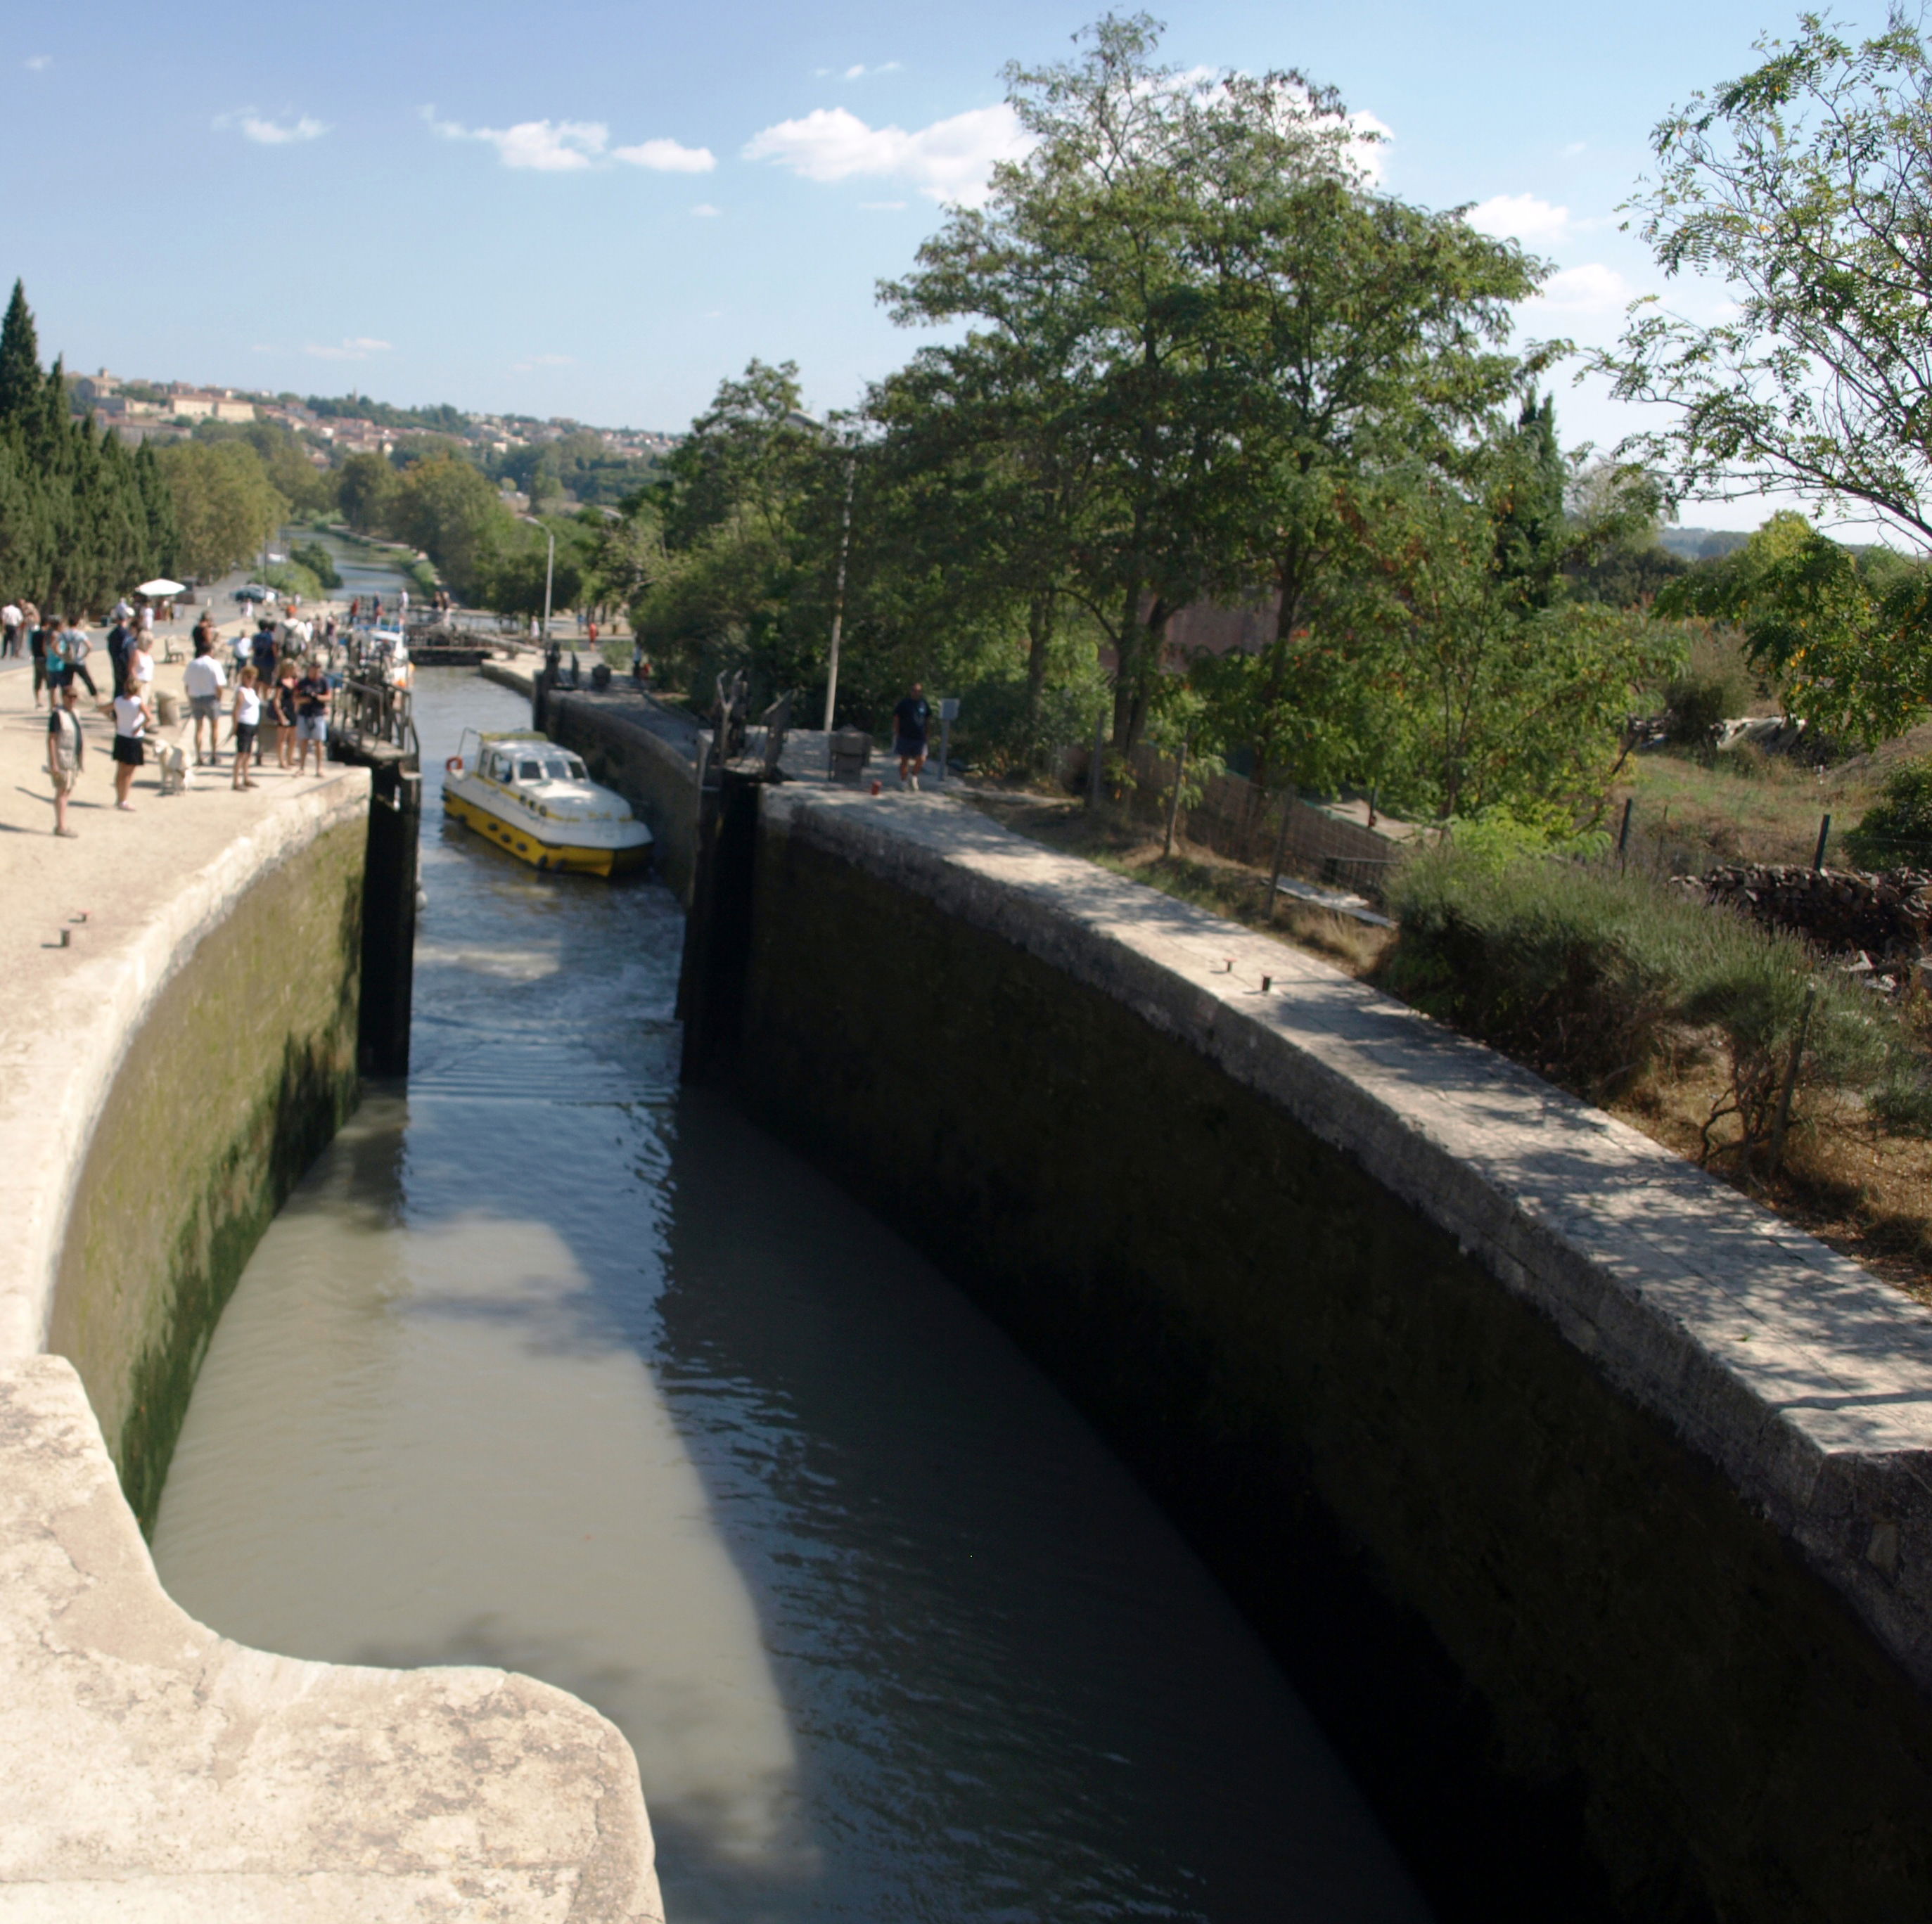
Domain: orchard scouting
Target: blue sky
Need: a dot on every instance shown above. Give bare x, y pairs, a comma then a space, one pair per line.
601, 210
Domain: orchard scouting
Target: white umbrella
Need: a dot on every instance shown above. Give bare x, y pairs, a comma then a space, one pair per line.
161, 584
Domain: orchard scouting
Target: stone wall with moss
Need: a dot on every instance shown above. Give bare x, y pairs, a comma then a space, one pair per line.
1581, 1670
243, 1070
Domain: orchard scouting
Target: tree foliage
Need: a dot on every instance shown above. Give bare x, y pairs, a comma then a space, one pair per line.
1805, 186
82, 517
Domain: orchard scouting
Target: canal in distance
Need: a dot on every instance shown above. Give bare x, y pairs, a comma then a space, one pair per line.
551, 1364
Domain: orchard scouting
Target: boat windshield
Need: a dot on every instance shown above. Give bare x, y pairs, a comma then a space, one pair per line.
564, 768
530, 770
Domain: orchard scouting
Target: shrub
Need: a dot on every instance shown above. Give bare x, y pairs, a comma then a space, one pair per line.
1594, 976
1896, 832
319, 562
1698, 704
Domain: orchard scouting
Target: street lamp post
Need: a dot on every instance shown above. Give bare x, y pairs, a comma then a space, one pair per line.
838, 593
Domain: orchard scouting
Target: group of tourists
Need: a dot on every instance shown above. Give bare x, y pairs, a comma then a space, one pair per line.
279, 678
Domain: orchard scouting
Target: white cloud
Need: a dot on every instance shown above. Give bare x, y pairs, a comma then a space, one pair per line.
1575, 148
881, 206
704, 211
536, 361
38, 63
951, 159
573, 146
858, 72
1520, 217
255, 126
1592, 289
667, 157
356, 347
550, 147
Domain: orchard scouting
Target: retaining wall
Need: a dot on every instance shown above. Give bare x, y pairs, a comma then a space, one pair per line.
1588, 1506
163, 1087
648, 754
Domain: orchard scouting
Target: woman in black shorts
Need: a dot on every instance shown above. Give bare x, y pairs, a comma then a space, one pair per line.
133, 718
247, 719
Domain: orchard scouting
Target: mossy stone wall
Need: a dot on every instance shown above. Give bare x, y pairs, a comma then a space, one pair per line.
242, 1071
1577, 1676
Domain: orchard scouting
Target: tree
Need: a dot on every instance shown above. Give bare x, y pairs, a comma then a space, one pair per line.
1806, 186
368, 488
450, 510
224, 506
1849, 636
19, 358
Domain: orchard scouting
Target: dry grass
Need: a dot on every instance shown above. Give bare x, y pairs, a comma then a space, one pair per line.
1747, 806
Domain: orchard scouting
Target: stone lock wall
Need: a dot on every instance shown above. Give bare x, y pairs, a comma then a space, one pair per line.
242, 1072
1586, 1506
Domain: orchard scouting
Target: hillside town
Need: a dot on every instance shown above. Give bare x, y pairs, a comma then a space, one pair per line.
140, 410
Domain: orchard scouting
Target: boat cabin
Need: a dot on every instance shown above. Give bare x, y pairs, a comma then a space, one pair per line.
523, 764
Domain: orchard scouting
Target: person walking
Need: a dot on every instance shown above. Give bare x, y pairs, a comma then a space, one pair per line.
133, 718
67, 750
910, 720
67, 651
141, 662
312, 718
246, 718
9, 629
38, 638
281, 715
203, 680
262, 652
118, 637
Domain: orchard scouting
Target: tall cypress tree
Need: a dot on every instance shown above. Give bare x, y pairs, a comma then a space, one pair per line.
19, 358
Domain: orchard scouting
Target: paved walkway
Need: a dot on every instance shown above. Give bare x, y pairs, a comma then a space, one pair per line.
122, 867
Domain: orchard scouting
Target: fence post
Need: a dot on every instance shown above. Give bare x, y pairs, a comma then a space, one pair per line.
1093, 768
1623, 833
1824, 836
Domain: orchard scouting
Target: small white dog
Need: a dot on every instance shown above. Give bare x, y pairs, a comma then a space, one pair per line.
176, 765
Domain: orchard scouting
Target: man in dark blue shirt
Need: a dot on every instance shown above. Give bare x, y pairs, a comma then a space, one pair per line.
909, 719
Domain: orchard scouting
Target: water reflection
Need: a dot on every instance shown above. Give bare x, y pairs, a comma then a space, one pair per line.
549, 1366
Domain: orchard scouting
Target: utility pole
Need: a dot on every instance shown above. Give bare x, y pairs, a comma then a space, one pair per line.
838, 591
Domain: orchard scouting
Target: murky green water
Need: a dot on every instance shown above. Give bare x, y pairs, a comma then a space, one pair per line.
550, 1364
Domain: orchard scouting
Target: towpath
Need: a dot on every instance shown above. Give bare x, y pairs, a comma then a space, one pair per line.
122, 867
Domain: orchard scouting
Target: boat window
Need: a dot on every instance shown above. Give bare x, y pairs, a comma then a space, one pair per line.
530, 771
559, 768
577, 771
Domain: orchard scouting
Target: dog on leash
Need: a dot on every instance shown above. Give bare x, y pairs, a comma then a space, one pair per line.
177, 769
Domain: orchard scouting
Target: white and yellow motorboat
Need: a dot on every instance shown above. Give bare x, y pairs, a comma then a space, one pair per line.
526, 795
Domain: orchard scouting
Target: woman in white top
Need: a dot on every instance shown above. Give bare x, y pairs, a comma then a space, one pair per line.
141, 662
133, 718
247, 717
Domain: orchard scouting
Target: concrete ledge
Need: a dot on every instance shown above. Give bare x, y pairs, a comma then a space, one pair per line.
150, 1769
1806, 1381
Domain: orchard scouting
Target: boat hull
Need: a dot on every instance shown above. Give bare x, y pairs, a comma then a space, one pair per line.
518, 839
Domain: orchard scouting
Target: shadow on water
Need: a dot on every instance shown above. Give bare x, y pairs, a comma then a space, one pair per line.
550, 1365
